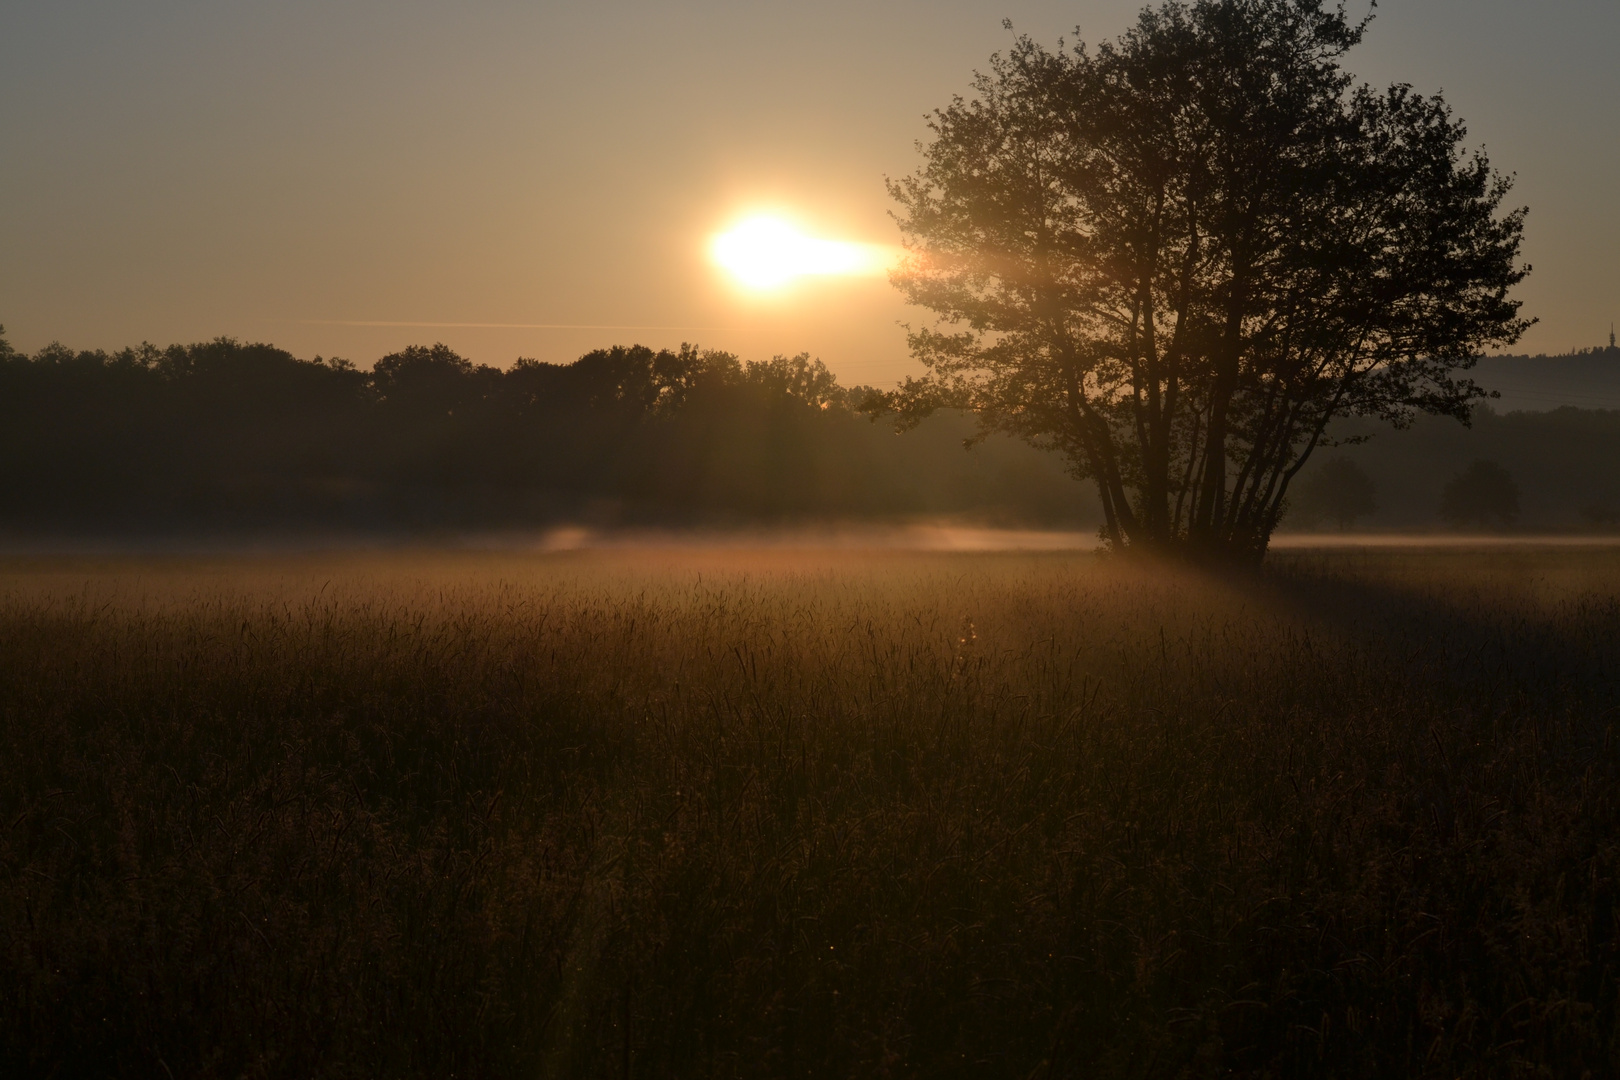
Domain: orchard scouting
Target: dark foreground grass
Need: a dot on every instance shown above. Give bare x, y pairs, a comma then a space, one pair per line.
795, 815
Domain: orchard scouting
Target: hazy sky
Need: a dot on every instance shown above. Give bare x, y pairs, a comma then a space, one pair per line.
172, 171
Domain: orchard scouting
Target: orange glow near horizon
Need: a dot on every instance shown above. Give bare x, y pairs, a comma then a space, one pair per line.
766, 253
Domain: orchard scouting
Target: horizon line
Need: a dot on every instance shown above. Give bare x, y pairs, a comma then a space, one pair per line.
506, 326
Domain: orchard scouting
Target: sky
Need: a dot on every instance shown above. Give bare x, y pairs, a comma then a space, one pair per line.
347, 177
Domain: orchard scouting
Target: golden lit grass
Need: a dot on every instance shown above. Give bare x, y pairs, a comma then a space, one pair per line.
721, 813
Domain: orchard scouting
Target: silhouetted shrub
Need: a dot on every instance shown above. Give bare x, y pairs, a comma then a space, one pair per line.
1600, 515
1480, 495
1340, 492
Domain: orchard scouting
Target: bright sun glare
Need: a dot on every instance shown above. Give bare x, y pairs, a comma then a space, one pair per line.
765, 252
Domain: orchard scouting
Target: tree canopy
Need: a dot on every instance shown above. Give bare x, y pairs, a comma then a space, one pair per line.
1176, 258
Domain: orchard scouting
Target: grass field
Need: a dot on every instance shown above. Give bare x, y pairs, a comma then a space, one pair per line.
719, 813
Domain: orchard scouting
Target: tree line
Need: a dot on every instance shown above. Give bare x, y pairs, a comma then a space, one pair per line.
1555, 470
1483, 495
226, 434
223, 434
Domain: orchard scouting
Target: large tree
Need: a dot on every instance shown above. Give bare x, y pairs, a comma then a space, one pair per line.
1175, 259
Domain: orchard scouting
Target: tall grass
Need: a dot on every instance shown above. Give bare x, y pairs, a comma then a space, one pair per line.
787, 814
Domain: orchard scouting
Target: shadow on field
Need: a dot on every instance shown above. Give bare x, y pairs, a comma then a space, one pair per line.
788, 814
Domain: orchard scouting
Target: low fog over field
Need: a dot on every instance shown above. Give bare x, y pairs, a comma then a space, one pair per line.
725, 810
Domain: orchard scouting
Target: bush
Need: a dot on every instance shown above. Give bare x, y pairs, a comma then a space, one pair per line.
1340, 492
1480, 495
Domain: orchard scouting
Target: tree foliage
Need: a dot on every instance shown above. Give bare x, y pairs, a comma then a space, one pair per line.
1176, 258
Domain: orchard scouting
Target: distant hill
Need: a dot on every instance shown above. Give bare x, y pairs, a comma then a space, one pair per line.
1589, 379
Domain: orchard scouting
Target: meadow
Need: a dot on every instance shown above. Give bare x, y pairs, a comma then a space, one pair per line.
715, 813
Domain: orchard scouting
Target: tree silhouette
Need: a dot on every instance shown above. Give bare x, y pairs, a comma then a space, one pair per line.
1175, 259
1340, 492
1481, 494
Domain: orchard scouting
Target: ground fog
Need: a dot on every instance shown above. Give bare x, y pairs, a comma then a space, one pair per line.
797, 813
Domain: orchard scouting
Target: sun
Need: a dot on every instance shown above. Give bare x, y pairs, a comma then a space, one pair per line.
764, 252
